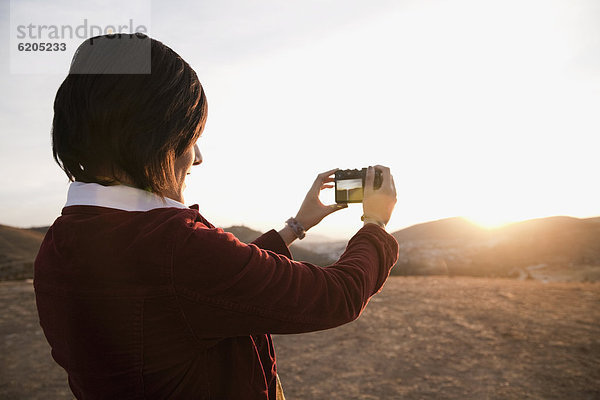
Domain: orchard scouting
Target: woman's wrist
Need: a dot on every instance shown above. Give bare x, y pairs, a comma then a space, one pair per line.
287, 235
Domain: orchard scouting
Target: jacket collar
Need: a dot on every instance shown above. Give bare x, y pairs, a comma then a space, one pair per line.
122, 197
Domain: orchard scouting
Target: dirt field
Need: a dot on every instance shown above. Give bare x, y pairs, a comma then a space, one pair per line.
421, 338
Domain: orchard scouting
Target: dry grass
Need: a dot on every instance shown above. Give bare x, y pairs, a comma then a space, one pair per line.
443, 338
421, 338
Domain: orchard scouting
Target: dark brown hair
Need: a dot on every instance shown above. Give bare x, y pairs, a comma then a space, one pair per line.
129, 104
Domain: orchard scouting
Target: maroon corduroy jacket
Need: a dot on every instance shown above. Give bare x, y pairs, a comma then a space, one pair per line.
161, 304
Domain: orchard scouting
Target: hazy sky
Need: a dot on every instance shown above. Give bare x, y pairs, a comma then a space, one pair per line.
483, 109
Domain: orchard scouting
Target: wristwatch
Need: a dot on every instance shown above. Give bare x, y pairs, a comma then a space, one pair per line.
372, 221
296, 227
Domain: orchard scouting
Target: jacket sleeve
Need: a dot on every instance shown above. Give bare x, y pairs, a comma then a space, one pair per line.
227, 288
272, 241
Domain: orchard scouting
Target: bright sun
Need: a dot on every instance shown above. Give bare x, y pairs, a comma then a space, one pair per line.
491, 222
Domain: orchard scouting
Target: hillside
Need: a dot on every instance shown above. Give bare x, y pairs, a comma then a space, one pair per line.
19, 247
546, 247
554, 248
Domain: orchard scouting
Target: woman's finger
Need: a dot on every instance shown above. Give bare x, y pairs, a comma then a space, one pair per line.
385, 171
326, 186
325, 174
323, 178
369, 179
335, 207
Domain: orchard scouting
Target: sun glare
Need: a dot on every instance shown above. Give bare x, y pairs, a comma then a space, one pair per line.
491, 222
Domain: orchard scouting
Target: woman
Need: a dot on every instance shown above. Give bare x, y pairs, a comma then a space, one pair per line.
140, 296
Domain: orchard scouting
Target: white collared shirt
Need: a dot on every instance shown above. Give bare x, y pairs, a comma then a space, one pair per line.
121, 197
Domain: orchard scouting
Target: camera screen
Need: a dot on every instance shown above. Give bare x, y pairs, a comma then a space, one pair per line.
349, 190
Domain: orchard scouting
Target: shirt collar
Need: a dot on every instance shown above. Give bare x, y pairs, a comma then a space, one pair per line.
121, 197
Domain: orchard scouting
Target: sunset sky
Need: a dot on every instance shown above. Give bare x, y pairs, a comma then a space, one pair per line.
482, 109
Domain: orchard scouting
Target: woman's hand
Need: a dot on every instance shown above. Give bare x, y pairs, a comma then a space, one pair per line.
379, 204
312, 211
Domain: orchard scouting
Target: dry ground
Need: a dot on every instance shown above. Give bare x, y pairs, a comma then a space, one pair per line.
421, 338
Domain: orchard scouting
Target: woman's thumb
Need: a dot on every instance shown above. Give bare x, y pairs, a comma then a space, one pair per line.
335, 207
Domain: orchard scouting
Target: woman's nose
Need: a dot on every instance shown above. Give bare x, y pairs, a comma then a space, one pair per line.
197, 155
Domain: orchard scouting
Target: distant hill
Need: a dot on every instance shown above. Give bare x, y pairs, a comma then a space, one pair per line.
243, 233
445, 229
454, 246
554, 248
40, 229
19, 247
